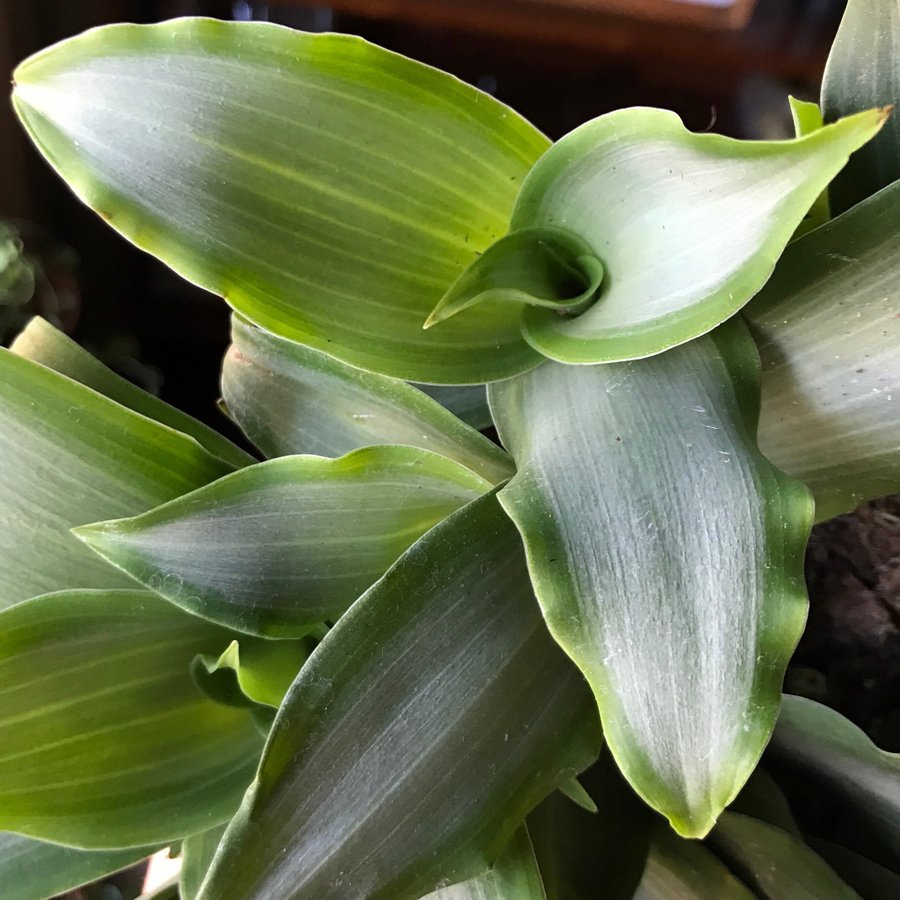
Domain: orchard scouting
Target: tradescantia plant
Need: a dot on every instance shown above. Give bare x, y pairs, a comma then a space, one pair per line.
372, 664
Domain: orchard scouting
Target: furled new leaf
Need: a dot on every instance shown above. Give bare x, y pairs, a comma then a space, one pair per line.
821, 743
666, 553
546, 267
673, 270
275, 548
776, 864
828, 334
328, 189
806, 115
104, 739
37, 870
290, 399
42, 343
419, 734
514, 876
863, 70
71, 456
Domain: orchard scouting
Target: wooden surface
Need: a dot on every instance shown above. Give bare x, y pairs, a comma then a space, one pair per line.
534, 14
733, 14
567, 34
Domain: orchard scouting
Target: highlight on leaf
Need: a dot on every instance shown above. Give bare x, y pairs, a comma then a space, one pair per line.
328, 189
828, 334
666, 554
432, 718
70, 456
863, 70
280, 547
289, 399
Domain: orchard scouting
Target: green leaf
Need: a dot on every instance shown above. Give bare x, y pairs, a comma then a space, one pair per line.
466, 401
216, 676
263, 670
762, 799
583, 855
674, 270
667, 554
197, 852
42, 343
807, 119
774, 863
863, 70
37, 870
514, 876
328, 189
278, 547
72, 456
806, 115
574, 791
423, 729
546, 267
686, 870
829, 337
104, 739
821, 743
868, 878
290, 399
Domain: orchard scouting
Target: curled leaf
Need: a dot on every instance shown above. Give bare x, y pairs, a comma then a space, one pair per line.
673, 269
546, 267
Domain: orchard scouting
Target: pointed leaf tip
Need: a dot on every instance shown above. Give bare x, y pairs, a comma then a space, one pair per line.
666, 554
328, 174
676, 270
280, 546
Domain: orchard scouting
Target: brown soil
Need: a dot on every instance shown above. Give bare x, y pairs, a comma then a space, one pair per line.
849, 656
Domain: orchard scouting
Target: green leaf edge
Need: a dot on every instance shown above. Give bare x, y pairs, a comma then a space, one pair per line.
472, 449
41, 343
741, 360
705, 315
521, 357
102, 537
